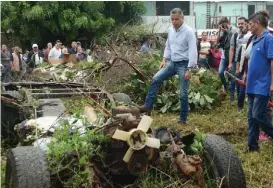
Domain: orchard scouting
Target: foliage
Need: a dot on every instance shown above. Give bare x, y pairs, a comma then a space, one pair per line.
3, 174
168, 178
203, 91
69, 153
198, 144
126, 36
80, 72
124, 11
138, 88
40, 21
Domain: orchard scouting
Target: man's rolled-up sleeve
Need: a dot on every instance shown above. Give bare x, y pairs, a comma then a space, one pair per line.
192, 49
232, 44
167, 51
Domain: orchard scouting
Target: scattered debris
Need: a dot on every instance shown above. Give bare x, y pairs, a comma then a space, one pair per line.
90, 114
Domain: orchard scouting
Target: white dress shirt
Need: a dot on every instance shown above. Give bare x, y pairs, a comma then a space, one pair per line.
181, 45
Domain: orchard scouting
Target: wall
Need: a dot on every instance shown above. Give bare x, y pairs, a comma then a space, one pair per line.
164, 7
161, 24
269, 9
150, 8
232, 9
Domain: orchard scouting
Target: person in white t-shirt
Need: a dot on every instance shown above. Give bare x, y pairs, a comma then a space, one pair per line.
56, 51
204, 50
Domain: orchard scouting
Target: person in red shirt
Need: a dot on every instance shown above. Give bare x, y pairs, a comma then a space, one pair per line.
215, 56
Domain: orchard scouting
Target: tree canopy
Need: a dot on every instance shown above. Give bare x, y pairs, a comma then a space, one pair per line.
27, 22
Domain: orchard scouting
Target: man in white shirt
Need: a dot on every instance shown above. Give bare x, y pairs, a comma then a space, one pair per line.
180, 56
55, 52
35, 57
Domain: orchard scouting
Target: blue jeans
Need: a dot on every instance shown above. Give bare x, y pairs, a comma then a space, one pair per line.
241, 93
171, 69
222, 67
258, 117
203, 62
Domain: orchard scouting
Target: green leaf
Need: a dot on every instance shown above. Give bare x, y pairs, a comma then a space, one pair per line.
210, 100
202, 101
209, 106
140, 81
164, 109
198, 136
82, 160
197, 96
194, 150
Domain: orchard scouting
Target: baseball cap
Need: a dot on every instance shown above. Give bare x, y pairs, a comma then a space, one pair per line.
34, 46
78, 43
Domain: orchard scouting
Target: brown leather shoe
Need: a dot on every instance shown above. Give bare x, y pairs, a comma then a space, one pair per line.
143, 109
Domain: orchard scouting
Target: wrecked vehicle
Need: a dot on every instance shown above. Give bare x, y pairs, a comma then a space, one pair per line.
133, 147
28, 100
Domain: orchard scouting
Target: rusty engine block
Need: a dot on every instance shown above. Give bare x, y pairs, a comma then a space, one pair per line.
133, 148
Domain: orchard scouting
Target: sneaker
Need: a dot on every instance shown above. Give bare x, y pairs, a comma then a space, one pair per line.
263, 137
182, 122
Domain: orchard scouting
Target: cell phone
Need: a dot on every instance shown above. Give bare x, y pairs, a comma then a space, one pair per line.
224, 26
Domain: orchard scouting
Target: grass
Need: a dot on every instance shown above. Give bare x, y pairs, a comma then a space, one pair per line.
258, 167
3, 169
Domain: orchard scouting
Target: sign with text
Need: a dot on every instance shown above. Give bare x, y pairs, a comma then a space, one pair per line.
211, 33
161, 24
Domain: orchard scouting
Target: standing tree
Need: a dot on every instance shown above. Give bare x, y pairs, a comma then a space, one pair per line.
24, 23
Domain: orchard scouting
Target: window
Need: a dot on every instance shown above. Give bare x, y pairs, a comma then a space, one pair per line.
251, 10
269, 9
164, 7
220, 9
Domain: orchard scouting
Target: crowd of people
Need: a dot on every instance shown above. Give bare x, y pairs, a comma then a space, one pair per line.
245, 51
15, 64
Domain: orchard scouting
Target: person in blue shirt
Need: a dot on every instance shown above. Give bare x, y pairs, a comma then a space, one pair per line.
145, 45
259, 84
180, 56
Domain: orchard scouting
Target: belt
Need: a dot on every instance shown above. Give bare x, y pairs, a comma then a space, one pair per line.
183, 61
